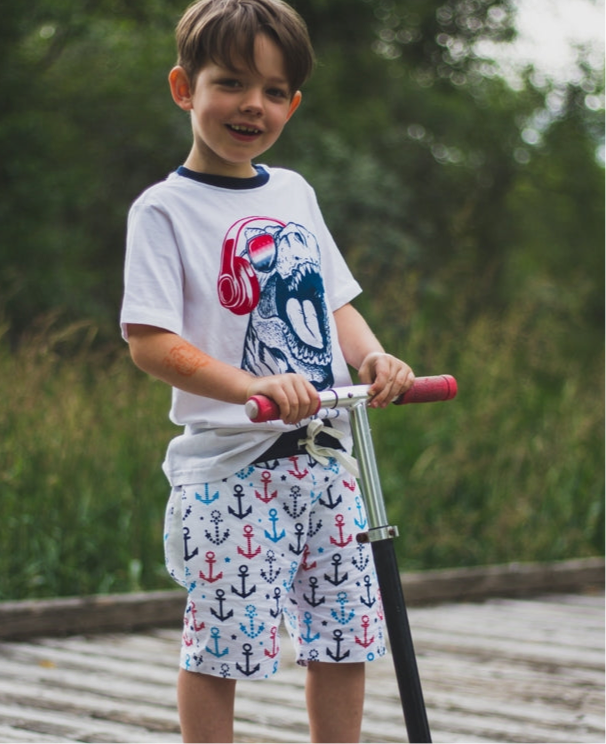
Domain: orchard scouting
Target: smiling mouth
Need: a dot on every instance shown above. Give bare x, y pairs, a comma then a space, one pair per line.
243, 130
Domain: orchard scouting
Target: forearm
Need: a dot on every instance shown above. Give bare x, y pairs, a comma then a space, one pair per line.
356, 339
388, 376
173, 360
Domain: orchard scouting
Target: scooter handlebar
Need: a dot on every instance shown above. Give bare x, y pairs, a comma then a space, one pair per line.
259, 408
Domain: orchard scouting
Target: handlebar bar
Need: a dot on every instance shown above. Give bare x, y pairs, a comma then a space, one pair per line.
259, 408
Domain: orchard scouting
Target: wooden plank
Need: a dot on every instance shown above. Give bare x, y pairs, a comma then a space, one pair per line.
95, 614
509, 580
122, 612
480, 682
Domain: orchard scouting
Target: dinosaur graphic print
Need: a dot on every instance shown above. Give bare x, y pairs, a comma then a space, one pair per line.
272, 271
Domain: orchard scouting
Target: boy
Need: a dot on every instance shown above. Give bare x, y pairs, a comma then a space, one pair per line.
234, 287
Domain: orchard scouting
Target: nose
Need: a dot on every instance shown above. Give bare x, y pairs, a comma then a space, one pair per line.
252, 101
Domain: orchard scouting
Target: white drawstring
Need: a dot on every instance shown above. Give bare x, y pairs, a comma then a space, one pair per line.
322, 454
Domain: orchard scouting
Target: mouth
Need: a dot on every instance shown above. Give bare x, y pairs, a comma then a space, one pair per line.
243, 130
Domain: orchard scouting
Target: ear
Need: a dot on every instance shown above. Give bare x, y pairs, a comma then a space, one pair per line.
180, 88
294, 104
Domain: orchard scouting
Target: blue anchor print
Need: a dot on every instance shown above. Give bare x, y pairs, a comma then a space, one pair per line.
367, 600
295, 512
245, 472
337, 655
300, 547
247, 653
220, 615
313, 529
243, 592
330, 503
341, 617
251, 631
277, 595
307, 620
270, 575
360, 521
362, 559
313, 602
207, 498
186, 538
239, 494
336, 579
216, 634
332, 466
287, 583
274, 518
216, 519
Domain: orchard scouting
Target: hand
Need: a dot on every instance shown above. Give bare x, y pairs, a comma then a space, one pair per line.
296, 397
390, 377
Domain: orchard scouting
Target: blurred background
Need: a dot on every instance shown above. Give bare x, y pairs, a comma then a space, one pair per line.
457, 150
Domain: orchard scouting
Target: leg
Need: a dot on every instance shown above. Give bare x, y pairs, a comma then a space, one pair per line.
335, 701
206, 707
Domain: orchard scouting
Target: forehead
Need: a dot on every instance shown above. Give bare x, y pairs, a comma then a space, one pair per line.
245, 51
264, 58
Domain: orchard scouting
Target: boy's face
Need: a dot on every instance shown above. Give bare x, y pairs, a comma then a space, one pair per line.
236, 114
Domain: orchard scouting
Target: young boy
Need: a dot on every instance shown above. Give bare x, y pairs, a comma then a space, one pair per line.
234, 287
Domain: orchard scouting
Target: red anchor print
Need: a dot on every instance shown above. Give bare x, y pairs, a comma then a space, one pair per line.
341, 542
248, 536
274, 646
366, 642
296, 472
304, 564
266, 497
211, 560
195, 624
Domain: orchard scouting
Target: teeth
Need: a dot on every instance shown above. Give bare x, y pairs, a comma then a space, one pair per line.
245, 130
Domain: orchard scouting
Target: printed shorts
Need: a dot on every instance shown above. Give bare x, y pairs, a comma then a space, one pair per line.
274, 541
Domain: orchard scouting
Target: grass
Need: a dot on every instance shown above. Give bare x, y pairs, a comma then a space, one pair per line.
511, 470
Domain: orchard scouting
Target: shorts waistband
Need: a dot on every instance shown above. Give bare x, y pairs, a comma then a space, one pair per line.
287, 445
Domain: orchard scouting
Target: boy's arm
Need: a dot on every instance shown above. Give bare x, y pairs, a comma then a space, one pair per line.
174, 360
390, 376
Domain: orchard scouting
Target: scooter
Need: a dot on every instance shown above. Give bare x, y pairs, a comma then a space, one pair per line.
354, 399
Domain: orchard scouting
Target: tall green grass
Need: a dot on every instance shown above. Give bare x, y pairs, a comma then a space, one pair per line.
513, 469
82, 435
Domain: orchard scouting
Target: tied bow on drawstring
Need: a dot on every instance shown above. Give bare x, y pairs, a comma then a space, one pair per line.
322, 454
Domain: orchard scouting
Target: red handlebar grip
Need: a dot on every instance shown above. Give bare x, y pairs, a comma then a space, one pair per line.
430, 389
261, 408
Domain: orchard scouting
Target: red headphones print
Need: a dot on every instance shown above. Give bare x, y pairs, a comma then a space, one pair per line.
238, 284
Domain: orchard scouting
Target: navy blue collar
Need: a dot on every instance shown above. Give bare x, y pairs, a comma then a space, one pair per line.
227, 182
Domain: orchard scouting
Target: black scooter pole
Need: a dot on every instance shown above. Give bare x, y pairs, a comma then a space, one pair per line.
380, 536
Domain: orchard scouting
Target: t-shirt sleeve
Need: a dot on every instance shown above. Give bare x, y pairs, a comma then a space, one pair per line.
340, 284
153, 273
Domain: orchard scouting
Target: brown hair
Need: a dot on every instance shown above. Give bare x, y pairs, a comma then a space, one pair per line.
224, 31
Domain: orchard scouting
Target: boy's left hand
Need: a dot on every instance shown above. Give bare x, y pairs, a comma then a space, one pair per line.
390, 377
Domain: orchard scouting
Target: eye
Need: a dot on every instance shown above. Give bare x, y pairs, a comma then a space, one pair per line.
279, 93
231, 83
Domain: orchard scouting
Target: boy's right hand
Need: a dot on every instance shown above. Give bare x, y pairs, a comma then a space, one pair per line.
296, 397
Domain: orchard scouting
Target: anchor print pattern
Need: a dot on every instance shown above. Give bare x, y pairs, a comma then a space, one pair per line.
272, 540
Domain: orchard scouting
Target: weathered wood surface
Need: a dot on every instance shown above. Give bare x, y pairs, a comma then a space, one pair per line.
118, 612
511, 670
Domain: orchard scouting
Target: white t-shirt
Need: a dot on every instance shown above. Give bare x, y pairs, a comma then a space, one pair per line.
247, 271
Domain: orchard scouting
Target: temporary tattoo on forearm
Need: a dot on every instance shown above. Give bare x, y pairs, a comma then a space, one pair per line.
185, 359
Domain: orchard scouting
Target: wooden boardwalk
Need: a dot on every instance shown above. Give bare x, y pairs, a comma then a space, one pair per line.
503, 670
